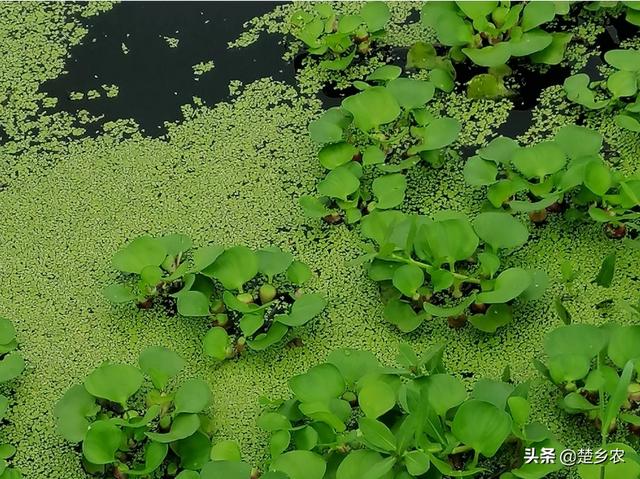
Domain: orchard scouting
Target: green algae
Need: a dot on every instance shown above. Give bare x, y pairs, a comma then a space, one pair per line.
233, 172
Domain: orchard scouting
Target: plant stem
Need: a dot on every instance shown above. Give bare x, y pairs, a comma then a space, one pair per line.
429, 269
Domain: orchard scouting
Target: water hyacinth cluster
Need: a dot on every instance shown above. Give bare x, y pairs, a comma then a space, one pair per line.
490, 34
567, 172
387, 127
252, 297
126, 430
338, 39
446, 266
618, 92
350, 417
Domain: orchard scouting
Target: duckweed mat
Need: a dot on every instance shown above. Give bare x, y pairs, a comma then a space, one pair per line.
233, 172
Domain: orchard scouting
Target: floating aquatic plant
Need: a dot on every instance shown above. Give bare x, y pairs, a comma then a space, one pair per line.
125, 433
356, 418
252, 297
386, 127
567, 172
490, 34
338, 39
618, 92
448, 266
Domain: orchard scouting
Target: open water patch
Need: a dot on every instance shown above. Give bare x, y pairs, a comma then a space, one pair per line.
148, 50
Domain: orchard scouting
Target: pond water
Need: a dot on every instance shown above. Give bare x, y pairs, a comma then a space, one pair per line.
154, 79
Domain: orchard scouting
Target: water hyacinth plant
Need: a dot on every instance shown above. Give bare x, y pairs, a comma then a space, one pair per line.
386, 127
490, 34
448, 266
338, 39
596, 370
618, 92
123, 430
567, 172
351, 418
253, 298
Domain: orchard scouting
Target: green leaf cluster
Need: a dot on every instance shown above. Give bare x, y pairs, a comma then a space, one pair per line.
596, 369
125, 429
567, 171
251, 297
12, 364
448, 266
352, 418
386, 127
491, 33
338, 39
618, 92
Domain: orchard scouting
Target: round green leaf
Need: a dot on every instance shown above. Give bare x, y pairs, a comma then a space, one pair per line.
482, 426
537, 13
530, 42
192, 397
183, 425
335, 154
7, 331
597, 177
539, 160
447, 239
443, 392
576, 339
141, 252
491, 56
625, 60
235, 267
154, 455
119, 293
205, 256
499, 150
160, 364
353, 364
436, 134
450, 28
389, 190
71, 413
175, 244
497, 315
216, 343
479, 172
411, 93
376, 398
339, 183
114, 382
500, 230
329, 127
477, 10
193, 303
298, 272
375, 15
320, 383
300, 465
622, 84
101, 442
407, 279
508, 285
578, 141
273, 261
385, 73
304, 309
554, 53
372, 107
193, 451
623, 344
11, 366
227, 450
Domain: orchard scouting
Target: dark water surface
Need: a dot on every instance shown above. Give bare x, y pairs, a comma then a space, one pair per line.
154, 79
